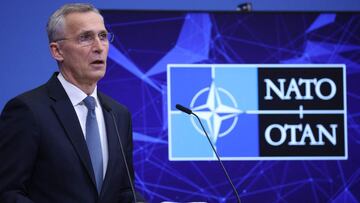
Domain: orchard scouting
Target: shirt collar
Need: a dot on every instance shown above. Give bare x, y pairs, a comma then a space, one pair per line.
75, 94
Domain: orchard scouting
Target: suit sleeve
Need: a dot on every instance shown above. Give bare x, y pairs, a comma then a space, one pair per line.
18, 150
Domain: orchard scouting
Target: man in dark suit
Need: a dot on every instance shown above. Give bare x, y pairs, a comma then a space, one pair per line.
61, 142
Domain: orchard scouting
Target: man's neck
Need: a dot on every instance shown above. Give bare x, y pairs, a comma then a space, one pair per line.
85, 86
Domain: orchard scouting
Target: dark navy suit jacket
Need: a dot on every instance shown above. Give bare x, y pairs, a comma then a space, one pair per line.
43, 153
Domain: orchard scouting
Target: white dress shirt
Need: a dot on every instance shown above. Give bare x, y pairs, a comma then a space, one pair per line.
76, 97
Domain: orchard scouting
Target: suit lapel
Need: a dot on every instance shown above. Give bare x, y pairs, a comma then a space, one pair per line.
66, 114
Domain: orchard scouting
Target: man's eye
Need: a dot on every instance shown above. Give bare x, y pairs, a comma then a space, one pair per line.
103, 36
85, 37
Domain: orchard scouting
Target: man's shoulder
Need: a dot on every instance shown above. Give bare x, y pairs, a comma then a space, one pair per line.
30, 101
34, 95
112, 104
37, 96
50, 89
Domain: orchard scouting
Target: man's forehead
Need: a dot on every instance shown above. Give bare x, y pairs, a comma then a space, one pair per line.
84, 21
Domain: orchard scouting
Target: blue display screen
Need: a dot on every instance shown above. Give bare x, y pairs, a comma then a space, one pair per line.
146, 42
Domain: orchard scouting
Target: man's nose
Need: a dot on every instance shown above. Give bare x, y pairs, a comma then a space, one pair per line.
98, 45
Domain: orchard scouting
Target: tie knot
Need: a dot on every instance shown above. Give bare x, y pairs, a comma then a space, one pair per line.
89, 102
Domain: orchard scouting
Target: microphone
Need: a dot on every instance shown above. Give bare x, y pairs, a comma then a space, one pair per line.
188, 111
108, 109
183, 109
245, 7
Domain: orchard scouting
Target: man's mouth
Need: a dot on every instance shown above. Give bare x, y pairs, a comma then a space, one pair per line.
98, 62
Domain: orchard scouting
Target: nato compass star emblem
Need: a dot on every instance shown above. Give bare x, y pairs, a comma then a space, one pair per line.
215, 111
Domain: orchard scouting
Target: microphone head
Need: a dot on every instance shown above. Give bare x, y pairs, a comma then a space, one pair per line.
183, 109
245, 7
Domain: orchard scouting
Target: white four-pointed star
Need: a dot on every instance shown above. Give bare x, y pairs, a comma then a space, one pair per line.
214, 112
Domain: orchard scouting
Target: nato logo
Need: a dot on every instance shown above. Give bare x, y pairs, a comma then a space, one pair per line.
258, 112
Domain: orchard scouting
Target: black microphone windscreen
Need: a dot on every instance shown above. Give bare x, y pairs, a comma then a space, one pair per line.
183, 109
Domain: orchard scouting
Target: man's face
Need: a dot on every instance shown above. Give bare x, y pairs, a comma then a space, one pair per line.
81, 63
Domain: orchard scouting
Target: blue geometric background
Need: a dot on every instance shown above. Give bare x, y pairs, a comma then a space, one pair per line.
146, 42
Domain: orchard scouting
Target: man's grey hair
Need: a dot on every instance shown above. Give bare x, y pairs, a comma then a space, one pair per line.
55, 25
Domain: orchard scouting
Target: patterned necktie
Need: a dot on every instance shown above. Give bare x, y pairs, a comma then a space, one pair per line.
93, 141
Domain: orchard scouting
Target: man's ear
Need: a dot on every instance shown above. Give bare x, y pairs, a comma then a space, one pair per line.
56, 52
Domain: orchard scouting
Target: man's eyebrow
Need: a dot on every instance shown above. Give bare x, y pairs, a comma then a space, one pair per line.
86, 32
91, 32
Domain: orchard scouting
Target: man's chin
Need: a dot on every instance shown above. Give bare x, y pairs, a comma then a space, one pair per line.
97, 75
99, 66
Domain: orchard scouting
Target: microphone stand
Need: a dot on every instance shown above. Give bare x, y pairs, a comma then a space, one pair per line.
218, 158
188, 111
